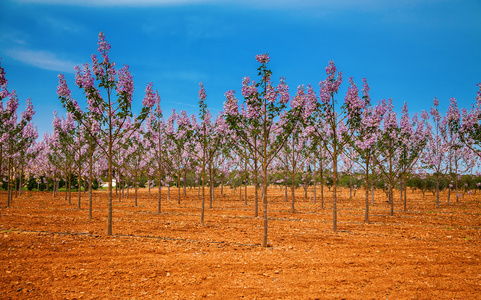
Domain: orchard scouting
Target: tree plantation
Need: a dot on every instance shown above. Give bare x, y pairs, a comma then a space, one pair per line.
302, 171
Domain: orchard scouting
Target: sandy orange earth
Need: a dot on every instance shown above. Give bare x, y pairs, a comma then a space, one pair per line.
49, 249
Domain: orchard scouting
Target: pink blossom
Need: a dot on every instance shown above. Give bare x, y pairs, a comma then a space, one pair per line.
283, 90
331, 84
125, 84
248, 90
202, 95
263, 58
62, 88
230, 105
150, 98
3, 80
104, 46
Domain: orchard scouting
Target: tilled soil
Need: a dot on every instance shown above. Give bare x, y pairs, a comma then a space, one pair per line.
50, 249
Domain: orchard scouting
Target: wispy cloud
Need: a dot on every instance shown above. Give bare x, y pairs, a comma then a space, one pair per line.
62, 24
115, 2
272, 4
182, 103
42, 59
13, 37
184, 75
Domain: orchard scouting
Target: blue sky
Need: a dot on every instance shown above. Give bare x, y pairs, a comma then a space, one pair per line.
408, 50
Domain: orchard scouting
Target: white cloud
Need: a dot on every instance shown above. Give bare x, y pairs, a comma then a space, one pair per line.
134, 3
62, 24
322, 5
42, 59
185, 75
264, 3
14, 37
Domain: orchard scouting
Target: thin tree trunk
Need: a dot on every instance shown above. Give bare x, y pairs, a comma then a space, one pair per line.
79, 186
350, 185
136, 189
456, 180
159, 201
148, 184
322, 184
293, 188
334, 190
185, 183
90, 185
366, 213
70, 189
315, 183
391, 198
109, 158
264, 200
15, 185
404, 186
245, 177
178, 188
203, 176
222, 187
401, 189
256, 205
210, 185
9, 182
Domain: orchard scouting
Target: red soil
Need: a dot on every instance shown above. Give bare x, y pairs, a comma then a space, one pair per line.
51, 250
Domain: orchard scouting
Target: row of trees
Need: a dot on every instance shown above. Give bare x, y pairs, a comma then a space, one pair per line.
269, 137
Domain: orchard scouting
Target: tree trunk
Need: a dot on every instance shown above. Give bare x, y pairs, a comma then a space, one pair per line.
334, 190
9, 182
245, 177
79, 187
178, 188
203, 181
391, 198
293, 189
256, 204
211, 185
366, 213
159, 202
404, 185
350, 185
315, 184
185, 182
222, 187
70, 189
15, 182
264, 200
322, 184
136, 189
90, 185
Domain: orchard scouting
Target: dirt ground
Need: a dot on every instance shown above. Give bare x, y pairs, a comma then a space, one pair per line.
49, 249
